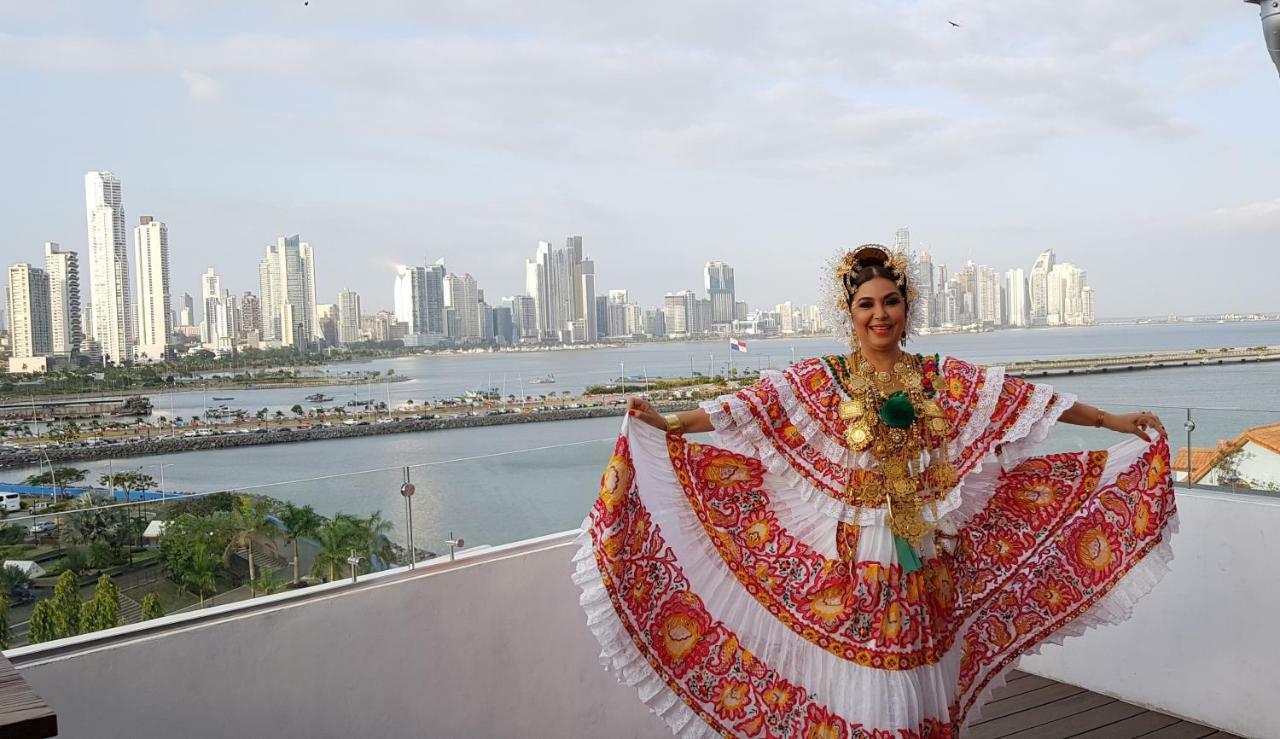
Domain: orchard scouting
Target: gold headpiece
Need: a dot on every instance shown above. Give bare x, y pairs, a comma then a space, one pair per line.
848, 263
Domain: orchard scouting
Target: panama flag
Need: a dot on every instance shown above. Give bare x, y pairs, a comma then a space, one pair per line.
737, 345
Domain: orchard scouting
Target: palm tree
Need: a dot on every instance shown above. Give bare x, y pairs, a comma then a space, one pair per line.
373, 533
249, 520
299, 522
90, 521
335, 539
199, 574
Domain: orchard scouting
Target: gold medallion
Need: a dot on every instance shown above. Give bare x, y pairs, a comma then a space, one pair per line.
857, 436
938, 425
932, 409
851, 410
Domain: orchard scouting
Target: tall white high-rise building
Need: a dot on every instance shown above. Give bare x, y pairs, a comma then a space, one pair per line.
211, 327
924, 292
554, 278
988, 300
63, 269
1086, 306
679, 312
348, 317
1016, 299
410, 297
287, 293
109, 267
30, 334
151, 263
308, 258
461, 294
587, 297
1038, 288
717, 277
902, 240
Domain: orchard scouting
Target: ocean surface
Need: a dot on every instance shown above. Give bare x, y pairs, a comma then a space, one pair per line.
500, 484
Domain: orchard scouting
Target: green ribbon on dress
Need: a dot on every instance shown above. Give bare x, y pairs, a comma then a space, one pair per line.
907, 556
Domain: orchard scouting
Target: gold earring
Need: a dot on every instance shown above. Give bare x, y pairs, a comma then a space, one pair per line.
853, 343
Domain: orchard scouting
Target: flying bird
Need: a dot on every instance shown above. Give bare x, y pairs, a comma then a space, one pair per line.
953, 23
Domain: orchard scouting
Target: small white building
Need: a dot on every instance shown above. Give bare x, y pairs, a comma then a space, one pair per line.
1253, 457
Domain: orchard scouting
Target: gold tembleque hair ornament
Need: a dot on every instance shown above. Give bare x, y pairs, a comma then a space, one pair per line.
847, 263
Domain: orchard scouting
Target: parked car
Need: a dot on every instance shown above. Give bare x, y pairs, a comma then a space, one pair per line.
44, 527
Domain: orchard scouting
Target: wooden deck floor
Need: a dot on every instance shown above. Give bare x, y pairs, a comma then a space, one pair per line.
1032, 707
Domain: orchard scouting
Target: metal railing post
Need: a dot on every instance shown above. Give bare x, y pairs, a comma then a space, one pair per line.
1190, 426
406, 491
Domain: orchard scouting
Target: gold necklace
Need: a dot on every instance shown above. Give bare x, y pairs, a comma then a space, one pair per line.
898, 426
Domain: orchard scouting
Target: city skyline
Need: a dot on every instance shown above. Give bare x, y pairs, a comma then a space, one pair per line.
768, 149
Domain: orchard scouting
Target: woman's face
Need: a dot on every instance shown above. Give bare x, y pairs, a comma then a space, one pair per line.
879, 314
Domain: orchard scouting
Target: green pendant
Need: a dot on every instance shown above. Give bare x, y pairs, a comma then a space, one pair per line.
907, 556
896, 411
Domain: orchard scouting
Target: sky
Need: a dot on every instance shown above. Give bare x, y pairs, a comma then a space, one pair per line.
1136, 140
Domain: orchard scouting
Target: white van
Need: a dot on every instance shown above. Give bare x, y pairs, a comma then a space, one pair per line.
10, 502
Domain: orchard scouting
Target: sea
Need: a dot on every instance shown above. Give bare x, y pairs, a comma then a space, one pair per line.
495, 485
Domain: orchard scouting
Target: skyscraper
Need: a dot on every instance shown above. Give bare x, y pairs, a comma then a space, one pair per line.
587, 300
108, 267
250, 314
408, 297
212, 326
461, 296
287, 293
348, 317
924, 293
1018, 306
63, 269
680, 312
433, 286
187, 313
1038, 288
988, 300
30, 335
718, 279
151, 262
555, 279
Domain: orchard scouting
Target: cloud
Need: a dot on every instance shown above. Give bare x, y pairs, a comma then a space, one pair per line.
1260, 214
201, 87
773, 90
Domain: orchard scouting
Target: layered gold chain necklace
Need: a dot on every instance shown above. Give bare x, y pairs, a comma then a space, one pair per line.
895, 416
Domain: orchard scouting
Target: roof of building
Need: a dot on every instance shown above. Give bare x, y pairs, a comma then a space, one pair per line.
1204, 459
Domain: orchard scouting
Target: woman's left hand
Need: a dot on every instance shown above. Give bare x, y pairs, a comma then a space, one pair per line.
1138, 424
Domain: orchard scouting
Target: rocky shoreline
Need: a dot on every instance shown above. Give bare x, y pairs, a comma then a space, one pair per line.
146, 447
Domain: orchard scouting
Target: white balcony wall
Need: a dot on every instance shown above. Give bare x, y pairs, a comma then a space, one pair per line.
496, 646
1203, 644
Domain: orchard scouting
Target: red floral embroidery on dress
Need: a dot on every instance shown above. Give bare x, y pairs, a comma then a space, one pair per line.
698, 658
861, 611
1086, 540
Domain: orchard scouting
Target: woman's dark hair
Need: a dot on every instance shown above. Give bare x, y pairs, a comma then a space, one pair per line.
872, 263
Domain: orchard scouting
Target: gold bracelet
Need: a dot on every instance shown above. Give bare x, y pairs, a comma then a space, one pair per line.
1098, 421
674, 426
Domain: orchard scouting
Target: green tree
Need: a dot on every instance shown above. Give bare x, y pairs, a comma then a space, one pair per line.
151, 607
102, 555
279, 416
299, 522
42, 627
11, 578
262, 416
60, 478
250, 521
335, 537
297, 410
91, 520
103, 609
76, 559
199, 574
65, 606
6, 629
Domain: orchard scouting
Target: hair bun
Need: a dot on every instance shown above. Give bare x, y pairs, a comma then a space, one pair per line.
871, 255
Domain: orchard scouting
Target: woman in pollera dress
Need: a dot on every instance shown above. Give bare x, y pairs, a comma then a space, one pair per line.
869, 545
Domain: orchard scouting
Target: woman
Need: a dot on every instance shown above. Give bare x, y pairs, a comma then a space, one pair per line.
870, 546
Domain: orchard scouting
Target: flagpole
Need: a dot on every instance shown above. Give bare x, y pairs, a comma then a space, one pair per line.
732, 348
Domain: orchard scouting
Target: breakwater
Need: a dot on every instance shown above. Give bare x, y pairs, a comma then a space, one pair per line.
145, 447
1139, 362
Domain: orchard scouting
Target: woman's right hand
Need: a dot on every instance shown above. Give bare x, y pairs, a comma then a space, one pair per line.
642, 410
